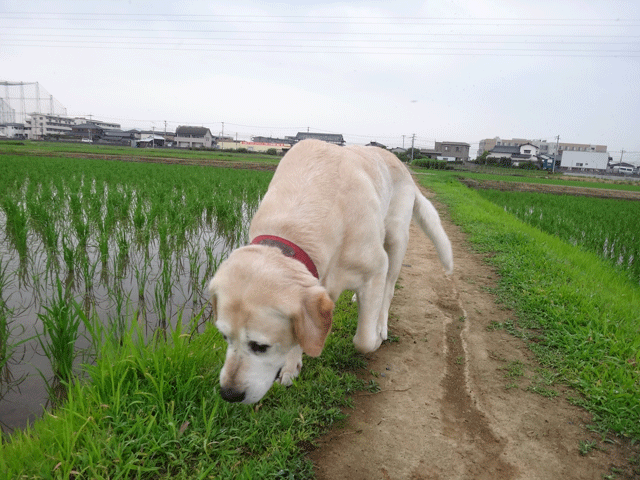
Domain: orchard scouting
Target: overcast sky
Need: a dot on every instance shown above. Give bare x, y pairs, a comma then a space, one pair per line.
442, 70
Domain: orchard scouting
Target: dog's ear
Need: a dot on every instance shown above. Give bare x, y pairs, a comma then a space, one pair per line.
313, 324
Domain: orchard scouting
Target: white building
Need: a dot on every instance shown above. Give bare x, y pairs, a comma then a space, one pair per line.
42, 125
13, 130
584, 161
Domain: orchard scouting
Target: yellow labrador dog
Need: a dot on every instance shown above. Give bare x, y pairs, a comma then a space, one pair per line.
334, 218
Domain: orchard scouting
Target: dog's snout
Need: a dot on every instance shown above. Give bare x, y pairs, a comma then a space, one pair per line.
231, 395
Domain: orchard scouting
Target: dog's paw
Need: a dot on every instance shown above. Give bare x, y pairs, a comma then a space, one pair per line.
367, 345
288, 374
291, 368
383, 333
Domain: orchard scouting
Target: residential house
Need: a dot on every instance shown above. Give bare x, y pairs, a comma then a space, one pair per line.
430, 153
453, 151
193, 137
119, 137
517, 154
376, 144
90, 131
504, 151
398, 150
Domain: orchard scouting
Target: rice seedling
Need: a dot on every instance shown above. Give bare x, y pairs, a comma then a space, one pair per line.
6, 348
60, 331
16, 226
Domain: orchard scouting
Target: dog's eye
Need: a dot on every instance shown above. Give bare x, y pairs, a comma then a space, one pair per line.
258, 347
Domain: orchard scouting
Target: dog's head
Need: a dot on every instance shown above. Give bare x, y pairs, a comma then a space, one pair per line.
265, 304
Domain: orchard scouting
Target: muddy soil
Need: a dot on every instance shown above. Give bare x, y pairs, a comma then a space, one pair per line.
455, 399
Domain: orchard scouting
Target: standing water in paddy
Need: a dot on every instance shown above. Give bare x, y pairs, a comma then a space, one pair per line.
87, 242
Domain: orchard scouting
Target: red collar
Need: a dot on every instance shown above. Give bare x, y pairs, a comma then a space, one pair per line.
289, 249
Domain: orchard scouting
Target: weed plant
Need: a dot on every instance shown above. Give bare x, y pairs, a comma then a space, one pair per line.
585, 314
153, 410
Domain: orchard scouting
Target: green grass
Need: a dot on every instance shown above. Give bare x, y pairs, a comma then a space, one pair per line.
153, 411
583, 313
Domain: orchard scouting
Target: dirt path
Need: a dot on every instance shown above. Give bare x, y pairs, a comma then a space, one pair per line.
453, 404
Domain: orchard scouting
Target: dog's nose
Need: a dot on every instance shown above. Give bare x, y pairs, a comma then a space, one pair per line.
231, 395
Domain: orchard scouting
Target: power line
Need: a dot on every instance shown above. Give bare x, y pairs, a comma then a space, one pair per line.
374, 20
211, 41
280, 33
65, 43
466, 52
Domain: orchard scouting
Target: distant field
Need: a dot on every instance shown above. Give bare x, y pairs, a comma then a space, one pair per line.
62, 148
548, 179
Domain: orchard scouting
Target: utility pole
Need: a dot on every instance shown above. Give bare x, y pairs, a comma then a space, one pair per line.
621, 154
403, 141
553, 166
413, 138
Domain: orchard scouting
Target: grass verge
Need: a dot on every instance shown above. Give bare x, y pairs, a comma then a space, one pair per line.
153, 411
584, 315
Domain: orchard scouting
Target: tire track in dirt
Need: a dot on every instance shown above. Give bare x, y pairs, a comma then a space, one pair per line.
460, 414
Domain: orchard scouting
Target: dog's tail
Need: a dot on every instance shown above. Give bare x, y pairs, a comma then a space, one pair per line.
426, 216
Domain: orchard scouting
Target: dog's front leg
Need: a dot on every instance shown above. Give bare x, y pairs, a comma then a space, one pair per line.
368, 336
292, 366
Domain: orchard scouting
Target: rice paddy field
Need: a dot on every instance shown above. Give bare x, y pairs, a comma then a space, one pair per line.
610, 228
87, 243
